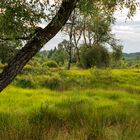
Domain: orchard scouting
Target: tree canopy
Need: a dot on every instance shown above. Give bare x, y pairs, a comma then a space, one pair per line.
19, 17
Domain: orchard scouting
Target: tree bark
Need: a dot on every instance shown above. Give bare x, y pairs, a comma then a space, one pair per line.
70, 43
78, 57
36, 43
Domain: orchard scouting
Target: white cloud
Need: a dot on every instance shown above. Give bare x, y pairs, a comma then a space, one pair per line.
128, 31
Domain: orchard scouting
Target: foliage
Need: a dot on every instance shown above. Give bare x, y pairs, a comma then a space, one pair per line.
116, 56
117, 52
50, 64
35, 70
95, 56
7, 51
21, 17
59, 55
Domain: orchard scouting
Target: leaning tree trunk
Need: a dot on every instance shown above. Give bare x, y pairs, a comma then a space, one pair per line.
36, 43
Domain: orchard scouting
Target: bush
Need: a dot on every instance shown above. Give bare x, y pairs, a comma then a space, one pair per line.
28, 69
94, 56
26, 82
35, 70
50, 64
52, 82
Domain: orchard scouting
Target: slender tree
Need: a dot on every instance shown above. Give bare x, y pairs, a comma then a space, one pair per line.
77, 33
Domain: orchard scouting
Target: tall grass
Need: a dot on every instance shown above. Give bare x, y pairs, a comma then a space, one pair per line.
123, 79
94, 114
72, 105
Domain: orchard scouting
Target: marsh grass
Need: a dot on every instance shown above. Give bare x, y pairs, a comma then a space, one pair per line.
62, 80
72, 105
94, 114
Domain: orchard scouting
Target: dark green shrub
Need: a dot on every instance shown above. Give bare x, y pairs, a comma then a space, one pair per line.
50, 64
28, 69
137, 66
94, 56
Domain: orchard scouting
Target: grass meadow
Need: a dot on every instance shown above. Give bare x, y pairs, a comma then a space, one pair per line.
72, 105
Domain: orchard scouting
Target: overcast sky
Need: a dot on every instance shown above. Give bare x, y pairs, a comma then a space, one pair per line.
127, 31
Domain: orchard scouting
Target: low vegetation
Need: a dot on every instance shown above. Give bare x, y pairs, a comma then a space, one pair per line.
80, 79
72, 105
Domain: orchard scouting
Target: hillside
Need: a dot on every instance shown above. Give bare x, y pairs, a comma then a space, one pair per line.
131, 56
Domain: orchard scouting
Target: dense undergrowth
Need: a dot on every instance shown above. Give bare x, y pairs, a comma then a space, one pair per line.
72, 105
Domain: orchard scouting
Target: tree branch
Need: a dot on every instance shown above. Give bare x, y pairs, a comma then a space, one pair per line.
15, 38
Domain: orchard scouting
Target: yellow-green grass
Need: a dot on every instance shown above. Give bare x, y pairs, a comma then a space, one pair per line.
122, 79
87, 114
82, 105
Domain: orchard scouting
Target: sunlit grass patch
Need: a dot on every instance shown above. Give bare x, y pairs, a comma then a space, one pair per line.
92, 108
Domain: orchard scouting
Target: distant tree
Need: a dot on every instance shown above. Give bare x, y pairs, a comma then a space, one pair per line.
51, 52
59, 55
68, 47
74, 29
94, 56
117, 55
117, 52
